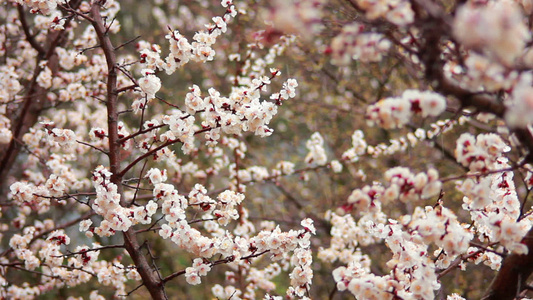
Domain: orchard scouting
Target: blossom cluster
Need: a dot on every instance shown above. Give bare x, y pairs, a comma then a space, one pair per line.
9, 86
317, 153
38, 195
480, 153
491, 259
108, 204
354, 43
227, 292
302, 17
360, 146
199, 268
241, 111
402, 185
224, 210
520, 104
396, 12
63, 137
360, 282
346, 237
209, 217
181, 50
279, 243
396, 112
254, 65
409, 186
481, 73
439, 225
61, 270
404, 280
496, 29
263, 278
41, 6
234, 248
494, 207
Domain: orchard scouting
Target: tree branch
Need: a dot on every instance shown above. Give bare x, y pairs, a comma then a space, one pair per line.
152, 282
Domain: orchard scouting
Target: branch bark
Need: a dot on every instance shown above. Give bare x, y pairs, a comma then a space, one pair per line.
513, 274
149, 276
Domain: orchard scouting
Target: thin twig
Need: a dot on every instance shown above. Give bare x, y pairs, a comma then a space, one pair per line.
95, 148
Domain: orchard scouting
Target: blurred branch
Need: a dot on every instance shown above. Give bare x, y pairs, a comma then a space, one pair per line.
323, 223
29, 36
516, 268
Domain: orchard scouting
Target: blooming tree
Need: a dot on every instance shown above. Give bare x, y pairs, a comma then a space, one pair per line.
265, 150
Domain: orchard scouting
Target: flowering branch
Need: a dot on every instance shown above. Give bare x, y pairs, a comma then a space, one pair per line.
35, 96
85, 251
153, 151
152, 282
217, 262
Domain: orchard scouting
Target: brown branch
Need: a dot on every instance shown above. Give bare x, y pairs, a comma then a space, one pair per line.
167, 103
126, 88
456, 263
134, 289
16, 266
153, 151
513, 274
152, 282
153, 228
218, 262
137, 188
145, 155
127, 42
29, 36
91, 146
124, 139
76, 268
481, 174
89, 250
